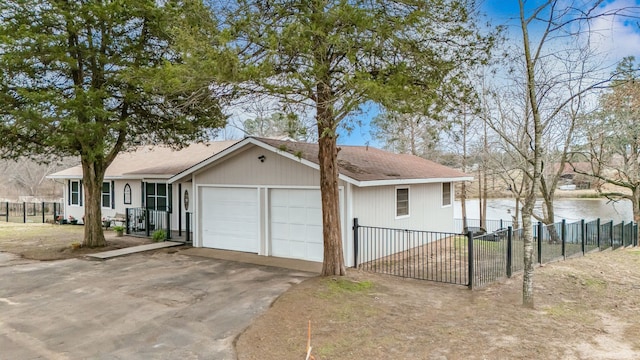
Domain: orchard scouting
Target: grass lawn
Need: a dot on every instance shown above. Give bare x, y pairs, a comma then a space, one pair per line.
54, 242
585, 308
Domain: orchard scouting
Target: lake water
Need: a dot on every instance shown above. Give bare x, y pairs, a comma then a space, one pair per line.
569, 209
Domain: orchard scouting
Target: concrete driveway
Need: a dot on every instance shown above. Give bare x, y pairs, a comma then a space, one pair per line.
143, 306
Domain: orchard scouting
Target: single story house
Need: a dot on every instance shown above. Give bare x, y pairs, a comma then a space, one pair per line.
262, 195
137, 179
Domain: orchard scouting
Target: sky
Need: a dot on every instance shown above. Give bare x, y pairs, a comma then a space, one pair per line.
614, 38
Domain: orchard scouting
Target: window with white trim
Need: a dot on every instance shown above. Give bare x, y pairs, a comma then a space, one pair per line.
106, 194
75, 194
127, 194
402, 202
446, 194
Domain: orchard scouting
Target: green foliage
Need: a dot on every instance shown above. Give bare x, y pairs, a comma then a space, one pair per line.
89, 78
411, 56
159, 235
118, 228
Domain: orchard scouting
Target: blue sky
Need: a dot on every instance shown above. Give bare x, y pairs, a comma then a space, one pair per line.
616, 38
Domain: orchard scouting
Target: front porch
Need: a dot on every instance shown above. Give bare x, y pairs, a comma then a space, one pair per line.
147, 223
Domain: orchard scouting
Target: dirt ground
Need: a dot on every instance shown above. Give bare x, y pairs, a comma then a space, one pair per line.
585, 308
55, 242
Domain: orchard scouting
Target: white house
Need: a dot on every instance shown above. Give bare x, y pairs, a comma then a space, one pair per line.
263, 196
137, 179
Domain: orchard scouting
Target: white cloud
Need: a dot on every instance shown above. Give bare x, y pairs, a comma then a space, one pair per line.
617, 36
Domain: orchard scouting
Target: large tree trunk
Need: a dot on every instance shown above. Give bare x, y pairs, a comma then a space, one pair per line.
333, 263
93, 175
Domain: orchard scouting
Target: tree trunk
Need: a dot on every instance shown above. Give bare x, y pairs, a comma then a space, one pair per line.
93, 175
636, 208
527, 281
333, 263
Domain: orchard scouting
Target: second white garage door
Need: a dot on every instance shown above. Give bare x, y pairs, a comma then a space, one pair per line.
296, 224
230, 219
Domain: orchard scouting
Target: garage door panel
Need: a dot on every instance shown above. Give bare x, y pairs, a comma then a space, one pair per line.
230, 219
314, 216
298, 234
315, 251
314, 234
297, 215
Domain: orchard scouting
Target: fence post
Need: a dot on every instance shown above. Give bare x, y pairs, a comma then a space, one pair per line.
598, 232
7, 214
147, 221
55, 211
583, 235
43, 212
539, 242
622, 234
355, 243
563, 236
187, 226
168, 236
611, 234
509, 250
24, 212
127, 223
501, 226
470, 256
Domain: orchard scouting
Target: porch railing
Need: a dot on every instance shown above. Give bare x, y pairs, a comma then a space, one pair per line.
144, 222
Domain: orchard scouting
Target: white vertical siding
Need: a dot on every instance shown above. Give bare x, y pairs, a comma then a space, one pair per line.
246, 169
376, 206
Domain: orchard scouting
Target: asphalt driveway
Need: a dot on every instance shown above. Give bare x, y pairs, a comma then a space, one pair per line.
144, 306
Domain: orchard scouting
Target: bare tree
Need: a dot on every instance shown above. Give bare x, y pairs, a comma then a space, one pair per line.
558, 72
612, 138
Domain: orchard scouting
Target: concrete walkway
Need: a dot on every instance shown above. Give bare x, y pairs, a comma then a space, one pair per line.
133, 249
248, 258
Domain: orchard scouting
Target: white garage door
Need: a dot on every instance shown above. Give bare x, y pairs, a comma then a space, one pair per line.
230, 219
296, 224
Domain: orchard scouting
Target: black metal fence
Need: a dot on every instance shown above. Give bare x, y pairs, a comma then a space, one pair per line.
24, 212
462, 226
475, 261
144, 222
425, 255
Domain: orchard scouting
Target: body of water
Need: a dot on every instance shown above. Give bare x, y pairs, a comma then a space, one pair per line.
569, 209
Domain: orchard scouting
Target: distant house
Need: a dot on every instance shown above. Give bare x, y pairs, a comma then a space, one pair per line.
262, 195
572, 175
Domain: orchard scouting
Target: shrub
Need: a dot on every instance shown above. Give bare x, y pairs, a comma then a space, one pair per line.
159, 235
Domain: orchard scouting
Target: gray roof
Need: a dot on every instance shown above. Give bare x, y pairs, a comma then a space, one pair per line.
153, 161
364, 163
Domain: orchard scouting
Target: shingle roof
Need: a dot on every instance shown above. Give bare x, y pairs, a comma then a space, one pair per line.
360, 163
363, 163
160, 161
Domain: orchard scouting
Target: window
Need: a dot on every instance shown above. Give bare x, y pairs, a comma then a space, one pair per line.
402, 202
75, 192
106, 194
446, 194
127, 194
156, 196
